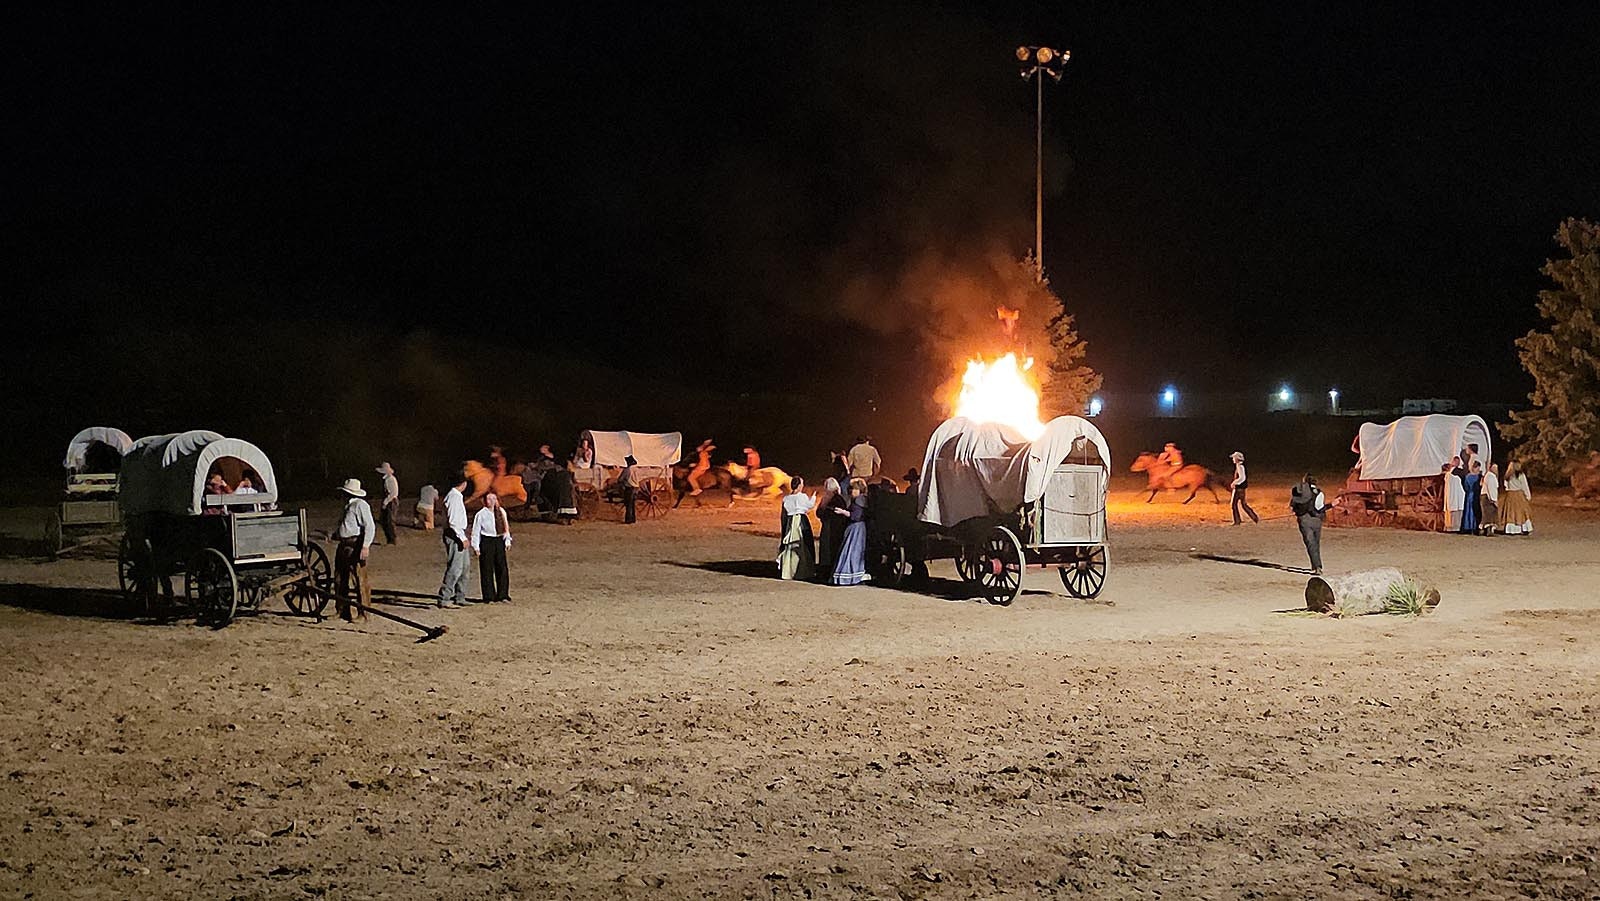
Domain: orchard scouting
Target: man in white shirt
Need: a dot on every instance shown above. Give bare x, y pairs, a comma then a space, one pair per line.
491, 538
353, 536
453, 590
865, 463
390, 509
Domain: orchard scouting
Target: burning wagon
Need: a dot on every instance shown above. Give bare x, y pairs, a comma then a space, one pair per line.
234, 550
997, 503
654, 454
89, 505
1398, 479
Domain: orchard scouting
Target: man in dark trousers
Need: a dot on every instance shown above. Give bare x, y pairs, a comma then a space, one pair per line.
630, 489
1309, 505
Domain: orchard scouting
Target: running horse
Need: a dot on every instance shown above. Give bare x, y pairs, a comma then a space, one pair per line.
755, 484
1191, 476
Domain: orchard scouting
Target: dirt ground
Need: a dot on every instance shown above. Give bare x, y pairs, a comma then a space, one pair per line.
656, 715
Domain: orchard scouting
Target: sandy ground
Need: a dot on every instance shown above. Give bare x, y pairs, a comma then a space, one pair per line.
655, 715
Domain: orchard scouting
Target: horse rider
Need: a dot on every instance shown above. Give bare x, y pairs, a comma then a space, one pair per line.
1171, 455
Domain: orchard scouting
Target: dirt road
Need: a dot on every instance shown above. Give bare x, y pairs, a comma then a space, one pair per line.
654, 715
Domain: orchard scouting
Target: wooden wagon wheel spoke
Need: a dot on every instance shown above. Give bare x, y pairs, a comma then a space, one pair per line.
1001, 566
1086, 576
310, 595
213, 587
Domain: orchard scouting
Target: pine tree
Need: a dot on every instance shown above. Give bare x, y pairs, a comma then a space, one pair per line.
1069, 381
1564, 360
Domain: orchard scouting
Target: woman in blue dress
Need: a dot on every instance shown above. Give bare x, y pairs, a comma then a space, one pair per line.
851, 566
1472, 482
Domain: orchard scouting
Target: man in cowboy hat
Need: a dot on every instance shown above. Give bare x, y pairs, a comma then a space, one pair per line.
630, 489
1239, 484
390, 508
354, 536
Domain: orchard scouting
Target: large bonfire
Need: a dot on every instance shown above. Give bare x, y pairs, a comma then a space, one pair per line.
1004, 390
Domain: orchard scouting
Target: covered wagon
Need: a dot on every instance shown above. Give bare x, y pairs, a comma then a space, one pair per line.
232, 545
997, 504
654, 454
1398, 479
88, 506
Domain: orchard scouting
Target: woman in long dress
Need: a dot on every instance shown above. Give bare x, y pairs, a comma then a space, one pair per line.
851, 567
830, 505
1516, 502
1472, 485
796, 556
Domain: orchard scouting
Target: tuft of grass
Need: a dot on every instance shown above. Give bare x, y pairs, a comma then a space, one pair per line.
1405, 599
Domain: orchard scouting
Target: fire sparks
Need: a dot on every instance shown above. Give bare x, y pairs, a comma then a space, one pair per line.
1001, 392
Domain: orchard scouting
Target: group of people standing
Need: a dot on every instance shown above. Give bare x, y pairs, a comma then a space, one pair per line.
1477, 501
840, 557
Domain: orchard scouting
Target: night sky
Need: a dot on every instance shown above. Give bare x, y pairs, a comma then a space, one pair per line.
1351, 194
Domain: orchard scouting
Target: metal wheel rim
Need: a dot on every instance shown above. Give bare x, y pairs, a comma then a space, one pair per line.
1000, 566
1085, 577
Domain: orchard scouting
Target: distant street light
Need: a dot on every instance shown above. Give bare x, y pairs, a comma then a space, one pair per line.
1285, 395
1095, 406
1169, 401
1037, 62
1333, 401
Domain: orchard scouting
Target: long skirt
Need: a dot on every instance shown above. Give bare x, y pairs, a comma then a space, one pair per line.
833, 526
851, 567
1516, 514
795, 555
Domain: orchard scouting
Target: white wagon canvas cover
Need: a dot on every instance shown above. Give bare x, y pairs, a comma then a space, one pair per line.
973, 469
1417, 446
167, 473
78, 448
649, 448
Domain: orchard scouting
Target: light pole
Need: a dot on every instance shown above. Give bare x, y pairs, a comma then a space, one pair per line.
1037, 62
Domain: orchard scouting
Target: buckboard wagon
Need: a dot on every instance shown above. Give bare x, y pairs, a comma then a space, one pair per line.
233, 550
89, 512
654, 453
1398, 479
998, 504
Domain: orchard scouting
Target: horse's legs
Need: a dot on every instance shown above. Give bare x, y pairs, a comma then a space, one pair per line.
1152, 495
1192, 494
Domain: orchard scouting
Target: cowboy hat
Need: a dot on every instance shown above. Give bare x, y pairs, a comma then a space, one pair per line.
1236, 456
352, 487
384, 469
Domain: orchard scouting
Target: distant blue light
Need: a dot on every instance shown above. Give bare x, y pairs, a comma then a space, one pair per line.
1095, 406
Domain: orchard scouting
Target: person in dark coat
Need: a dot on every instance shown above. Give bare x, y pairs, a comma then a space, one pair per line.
830, 505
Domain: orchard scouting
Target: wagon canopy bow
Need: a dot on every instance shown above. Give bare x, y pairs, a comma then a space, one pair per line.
975, 468
1415, 446
78, 448
649, 448
167, 473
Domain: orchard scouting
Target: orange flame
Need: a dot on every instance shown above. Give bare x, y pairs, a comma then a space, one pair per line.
1001, 392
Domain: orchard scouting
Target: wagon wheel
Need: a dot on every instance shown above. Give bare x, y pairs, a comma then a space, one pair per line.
1000, 563
309, 596
655, 501
212, 587
1429, 499
967, 564
53, 539
136, 574
892, 566
1085, 576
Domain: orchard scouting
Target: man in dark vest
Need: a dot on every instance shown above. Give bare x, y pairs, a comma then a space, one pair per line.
1309, 505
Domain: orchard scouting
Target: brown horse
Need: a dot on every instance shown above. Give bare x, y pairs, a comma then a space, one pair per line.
1192, 476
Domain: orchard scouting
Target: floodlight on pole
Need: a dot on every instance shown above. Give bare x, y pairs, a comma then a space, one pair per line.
1285, 395
1333, 401
1169, 401
1036, 63
1095, 406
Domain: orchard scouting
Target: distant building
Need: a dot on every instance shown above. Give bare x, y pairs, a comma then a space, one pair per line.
1412, 406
